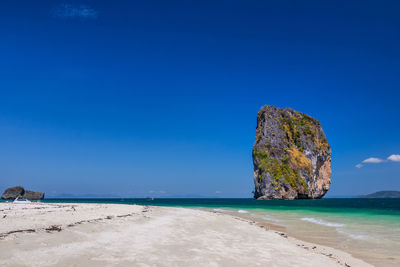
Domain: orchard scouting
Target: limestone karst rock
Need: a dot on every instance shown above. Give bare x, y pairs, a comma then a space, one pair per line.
291, 155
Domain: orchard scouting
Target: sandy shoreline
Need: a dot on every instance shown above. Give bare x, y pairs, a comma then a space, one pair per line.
46, 234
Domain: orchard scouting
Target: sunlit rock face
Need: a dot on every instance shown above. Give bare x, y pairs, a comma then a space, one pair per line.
291, 155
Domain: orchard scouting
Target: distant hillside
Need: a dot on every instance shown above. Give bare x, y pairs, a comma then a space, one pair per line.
383, 194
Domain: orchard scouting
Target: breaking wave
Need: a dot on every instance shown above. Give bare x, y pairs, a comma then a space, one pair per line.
219, 210
322, 222
352, 236
270, 218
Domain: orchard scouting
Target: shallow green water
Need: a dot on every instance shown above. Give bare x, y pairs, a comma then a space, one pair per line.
390, 206
366, 228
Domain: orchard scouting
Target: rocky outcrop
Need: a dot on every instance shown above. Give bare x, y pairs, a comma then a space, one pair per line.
13, 192
291, 156
33, 195
19, 191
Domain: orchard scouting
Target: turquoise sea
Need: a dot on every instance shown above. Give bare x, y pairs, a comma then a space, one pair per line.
366, 228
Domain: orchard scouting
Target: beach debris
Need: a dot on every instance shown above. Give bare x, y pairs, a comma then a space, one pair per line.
3, 235
53, 228
283, 234
125, 215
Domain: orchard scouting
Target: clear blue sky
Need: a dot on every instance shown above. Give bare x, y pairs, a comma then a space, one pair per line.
127, 97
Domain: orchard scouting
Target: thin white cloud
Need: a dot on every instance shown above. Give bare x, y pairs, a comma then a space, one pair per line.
68, 11
373, 160
218, 192
394, 157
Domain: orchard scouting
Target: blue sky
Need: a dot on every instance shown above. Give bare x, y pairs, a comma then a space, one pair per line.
160, 98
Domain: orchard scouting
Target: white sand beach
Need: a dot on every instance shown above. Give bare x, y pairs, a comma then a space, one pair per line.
42, 234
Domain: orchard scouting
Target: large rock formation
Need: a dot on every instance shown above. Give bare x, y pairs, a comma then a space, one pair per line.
19, 191
291, 156
13, 192
32, 195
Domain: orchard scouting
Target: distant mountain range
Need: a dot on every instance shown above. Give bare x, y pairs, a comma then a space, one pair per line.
67, 195
382, 194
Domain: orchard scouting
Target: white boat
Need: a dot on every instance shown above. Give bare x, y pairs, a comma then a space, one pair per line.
21, 200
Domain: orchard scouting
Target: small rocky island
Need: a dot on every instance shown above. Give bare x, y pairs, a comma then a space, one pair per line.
19, 191
291, 156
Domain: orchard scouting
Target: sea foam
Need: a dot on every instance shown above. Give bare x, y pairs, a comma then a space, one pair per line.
352, 236
270, 218
243, 211
219, 210
322, 222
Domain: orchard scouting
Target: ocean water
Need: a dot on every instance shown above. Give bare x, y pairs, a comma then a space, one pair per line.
366, 228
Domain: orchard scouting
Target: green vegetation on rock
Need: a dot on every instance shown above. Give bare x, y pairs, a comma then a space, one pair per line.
287, 142
280, 170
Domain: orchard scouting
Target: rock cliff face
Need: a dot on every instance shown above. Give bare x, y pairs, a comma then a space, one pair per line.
17, 191
291, 156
